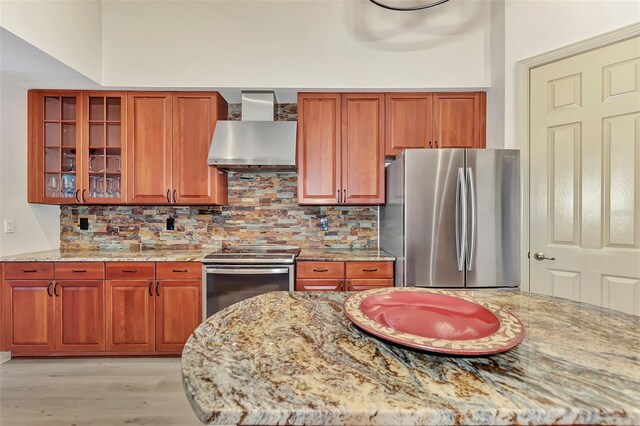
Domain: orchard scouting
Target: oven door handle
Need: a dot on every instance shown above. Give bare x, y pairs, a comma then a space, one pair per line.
246, 271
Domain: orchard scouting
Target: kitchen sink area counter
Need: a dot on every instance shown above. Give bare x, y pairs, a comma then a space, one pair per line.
344, 255
579, 364
182, 255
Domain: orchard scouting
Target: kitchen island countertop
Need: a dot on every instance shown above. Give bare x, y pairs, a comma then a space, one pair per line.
294, 358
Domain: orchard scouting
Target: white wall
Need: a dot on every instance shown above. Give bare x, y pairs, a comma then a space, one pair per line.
68, 30
535, 27
310, 44
496, 93
37, 227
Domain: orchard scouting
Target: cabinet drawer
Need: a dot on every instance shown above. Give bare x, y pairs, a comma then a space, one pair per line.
369, 269
365, 284
28, 271
319, 285
79, 270
130, 270
178, 270
320, 270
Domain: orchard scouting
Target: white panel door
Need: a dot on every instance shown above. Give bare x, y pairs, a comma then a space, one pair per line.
585, 177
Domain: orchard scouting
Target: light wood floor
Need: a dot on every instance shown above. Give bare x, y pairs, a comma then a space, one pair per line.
105, 391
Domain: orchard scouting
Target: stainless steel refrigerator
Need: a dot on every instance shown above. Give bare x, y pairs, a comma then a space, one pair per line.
452, 218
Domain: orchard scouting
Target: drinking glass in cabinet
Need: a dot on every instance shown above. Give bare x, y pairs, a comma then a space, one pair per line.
96, 163
96, 189
114, 163
116, 187
68, 161
68, 185
53, 184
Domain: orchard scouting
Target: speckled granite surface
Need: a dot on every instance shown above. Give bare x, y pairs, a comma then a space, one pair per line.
109, 256
294, 358
341, 255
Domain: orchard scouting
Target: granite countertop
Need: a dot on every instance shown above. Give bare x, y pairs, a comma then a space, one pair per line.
294, 358
341, 255
195, 255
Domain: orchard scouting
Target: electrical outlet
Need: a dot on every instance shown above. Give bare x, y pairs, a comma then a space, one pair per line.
324, 223
9, 226
171, 224
84, 223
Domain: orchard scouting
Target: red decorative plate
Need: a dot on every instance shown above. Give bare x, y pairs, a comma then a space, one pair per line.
436, 321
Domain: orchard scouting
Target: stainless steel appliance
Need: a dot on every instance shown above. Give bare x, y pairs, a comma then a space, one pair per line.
452, 218
239, 272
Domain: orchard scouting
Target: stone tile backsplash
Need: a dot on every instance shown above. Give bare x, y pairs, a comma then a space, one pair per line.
262, 209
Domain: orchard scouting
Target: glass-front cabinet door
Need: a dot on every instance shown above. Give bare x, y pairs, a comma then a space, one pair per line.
58, 134
103, 148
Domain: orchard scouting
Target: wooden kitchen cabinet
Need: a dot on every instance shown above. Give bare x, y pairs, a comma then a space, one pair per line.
149, 134
130, 316
99, 147
54, 140
340, 148
28, 317
409, 122
343, 276
194, 120
459, 120
319, 148
434, 120
79, 315
178, 313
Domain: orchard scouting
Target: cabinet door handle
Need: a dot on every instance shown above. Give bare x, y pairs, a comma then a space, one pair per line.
341, 285
55, 289
436, 144
84, 200
77, 195
157, 288
49, 289
78, 270
180, 270
28, 271
338, 196
168, 194
320, 270
130, 271
430, 144
150, 285
347, 285
174, 196
344, 196
370, 270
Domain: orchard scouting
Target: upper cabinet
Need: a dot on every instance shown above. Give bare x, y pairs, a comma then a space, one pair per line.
409, 121
149, 147
340, 148
55, 129
98, 147
459, 120
435, 120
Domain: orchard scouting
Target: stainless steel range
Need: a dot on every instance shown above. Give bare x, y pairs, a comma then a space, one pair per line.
239, 272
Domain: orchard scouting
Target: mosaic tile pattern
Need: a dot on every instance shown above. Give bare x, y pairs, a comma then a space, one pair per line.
262, 209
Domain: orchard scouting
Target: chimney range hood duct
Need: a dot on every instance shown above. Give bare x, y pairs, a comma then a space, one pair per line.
257, 142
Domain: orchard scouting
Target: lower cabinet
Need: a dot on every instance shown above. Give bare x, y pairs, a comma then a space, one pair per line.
178, 313
126, 309
343, 276
130, 316
79, 315
28, 317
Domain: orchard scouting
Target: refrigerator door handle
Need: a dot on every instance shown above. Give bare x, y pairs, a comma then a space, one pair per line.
461, 218
471, 188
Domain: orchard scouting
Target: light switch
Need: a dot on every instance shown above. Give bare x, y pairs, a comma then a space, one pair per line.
9, 226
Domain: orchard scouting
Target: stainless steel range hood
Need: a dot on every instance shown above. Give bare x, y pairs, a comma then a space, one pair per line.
257, 142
